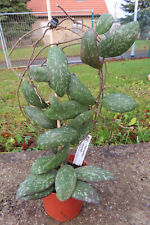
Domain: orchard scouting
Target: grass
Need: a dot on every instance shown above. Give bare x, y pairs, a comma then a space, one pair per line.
25, 52
128, 77
141, 45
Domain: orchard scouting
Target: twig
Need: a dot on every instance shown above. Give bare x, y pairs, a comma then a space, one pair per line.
105, 74
62, 49
37, 42
70, 45
127, 128
23, 37
81, 24
57, 43
35, 45
35, 87
65, 12
100, 94
70, 29
44, 62
72, 19
62, 21
14, 71
18, 97
98, 37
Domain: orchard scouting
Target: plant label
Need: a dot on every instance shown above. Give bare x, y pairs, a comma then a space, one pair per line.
81, 151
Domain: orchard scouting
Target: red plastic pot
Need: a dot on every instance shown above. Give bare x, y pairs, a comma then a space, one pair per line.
62, 211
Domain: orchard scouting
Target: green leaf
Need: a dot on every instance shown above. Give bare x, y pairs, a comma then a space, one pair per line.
65, 110
36, 183
104, 23
39, 195
47, 163
18, 138
38, 116
65, 182
31, 95
89, 51
119, 103
94, 174
119, 41
132, 122
39, 73
81, 120
58, 69
37, 166
85, 129
57, 137
79, 92
85, 192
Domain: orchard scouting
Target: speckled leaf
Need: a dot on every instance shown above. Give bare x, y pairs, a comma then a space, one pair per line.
79, 92
94, 174
37, 166
39, 195
57, 137
58, 69
85, 192
65, 110
89, 50
31, 95
45, 164
81, 120
119, 103
119, 41
39, 73
36, 183
38, 116
84, 131
65, 182
83, 124
104, 23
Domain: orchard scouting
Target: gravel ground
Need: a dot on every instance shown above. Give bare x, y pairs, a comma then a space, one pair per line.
124, 201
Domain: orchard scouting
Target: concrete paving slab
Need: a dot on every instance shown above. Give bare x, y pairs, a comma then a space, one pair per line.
124, 201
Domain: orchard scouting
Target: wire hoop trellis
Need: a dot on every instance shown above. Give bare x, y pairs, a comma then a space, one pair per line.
101, 75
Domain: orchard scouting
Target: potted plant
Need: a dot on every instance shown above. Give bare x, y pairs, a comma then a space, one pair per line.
55, 178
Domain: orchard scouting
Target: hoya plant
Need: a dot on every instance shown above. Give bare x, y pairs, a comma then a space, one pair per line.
52, 173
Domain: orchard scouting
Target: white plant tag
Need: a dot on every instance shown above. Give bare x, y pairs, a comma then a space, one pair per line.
81, 151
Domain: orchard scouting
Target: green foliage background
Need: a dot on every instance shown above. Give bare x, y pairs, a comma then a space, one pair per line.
15, 26
143, 16
128, 5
